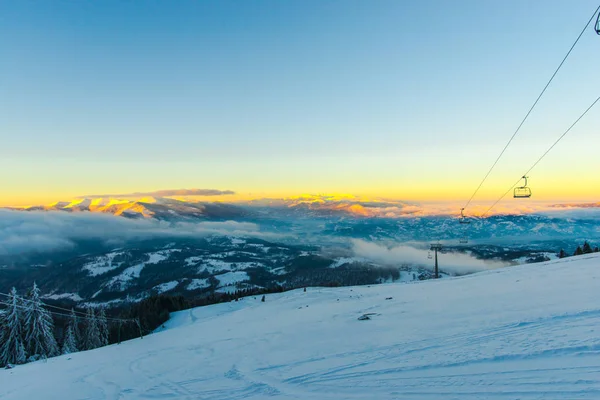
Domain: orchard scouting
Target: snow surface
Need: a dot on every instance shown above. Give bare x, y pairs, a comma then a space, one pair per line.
235, 240
191, 261
347, 260
525, 259
523, 332
127, 275
61, 296
215, 265
134, 272
231, 278
165, 287
103, 264
212, 265
198, 284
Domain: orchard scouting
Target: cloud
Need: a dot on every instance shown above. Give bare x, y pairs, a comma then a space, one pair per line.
166, 193
395, 208
577, 205
588, 213
22, 233
352, 205
451, 262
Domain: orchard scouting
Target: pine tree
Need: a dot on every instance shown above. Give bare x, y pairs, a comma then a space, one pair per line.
12, 350
72, 340
587, 249
92, 332
596, 249
263, 298
103, 327
70, 343
74, 324
578, 251
562, 254
39, 328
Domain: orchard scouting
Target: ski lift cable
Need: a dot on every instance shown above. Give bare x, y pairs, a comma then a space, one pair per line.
21, 307
63, 314
49, 311
81, 313
542, 156
532, 107
78, 313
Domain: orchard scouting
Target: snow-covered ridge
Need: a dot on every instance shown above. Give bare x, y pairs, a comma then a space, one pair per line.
62, 296
122, 280
196, 284
103, 264
526, 332
162, 208
167, 286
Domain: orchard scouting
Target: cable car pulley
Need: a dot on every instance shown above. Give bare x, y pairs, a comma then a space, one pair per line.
462, 219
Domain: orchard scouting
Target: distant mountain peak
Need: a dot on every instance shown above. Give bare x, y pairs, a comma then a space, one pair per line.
162, 208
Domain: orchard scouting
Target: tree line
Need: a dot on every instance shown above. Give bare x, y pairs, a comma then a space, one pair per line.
585, 249
27, 329
30, 332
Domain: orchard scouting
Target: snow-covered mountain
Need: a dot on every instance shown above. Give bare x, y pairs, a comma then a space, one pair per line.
161, 208
198, 268
321, 218
195, 249
526, 332
337, 205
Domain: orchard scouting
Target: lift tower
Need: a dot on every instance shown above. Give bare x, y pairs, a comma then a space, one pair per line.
435, 247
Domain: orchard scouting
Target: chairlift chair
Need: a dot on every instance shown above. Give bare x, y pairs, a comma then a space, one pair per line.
522, 192
598, 24
463, 219
429, 256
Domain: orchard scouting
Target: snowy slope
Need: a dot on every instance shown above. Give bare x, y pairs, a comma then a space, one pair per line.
524, 332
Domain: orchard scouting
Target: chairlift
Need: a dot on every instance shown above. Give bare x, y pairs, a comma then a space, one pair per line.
598, 24
429, 256
463, 240
522, 192
463, 219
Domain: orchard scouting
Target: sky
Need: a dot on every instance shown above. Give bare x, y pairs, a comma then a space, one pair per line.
409, 100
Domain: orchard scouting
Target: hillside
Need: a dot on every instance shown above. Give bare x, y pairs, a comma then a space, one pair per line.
197, 268
526, 332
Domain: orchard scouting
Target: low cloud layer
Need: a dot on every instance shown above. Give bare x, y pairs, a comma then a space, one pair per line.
451, 262
166, 193
40, 232
394, 208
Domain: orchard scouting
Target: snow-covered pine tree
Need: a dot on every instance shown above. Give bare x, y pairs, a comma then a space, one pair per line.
39, 328
562, 254
92, 332
12, 350
70, 343
103, 327
74, 324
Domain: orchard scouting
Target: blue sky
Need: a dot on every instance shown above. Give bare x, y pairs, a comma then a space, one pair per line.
393, 98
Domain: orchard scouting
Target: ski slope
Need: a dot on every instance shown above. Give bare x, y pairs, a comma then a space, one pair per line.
524, 332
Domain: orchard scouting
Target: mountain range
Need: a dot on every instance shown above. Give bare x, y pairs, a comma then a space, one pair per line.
161, 208
183, 247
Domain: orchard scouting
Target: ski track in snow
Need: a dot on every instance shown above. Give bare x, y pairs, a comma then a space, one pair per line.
524, 332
